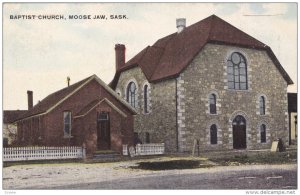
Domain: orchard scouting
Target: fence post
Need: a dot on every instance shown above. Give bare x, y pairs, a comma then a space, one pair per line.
84, 151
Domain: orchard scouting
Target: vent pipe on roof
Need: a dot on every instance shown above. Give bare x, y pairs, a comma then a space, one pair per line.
120, 56
68, 81
30, 99
180, 24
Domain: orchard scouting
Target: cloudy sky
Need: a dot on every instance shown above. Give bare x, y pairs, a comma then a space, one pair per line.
38, 54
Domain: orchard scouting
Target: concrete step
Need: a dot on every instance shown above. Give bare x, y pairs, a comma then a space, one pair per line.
106, 155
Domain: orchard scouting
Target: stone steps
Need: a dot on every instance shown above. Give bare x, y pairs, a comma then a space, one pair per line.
106, 156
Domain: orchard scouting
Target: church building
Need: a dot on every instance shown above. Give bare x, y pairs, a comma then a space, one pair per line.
208, 82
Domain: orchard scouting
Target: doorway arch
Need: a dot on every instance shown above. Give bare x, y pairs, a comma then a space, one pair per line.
239, 135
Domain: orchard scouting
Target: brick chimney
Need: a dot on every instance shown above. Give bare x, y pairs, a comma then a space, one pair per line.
120, 56
180, 24
30, 99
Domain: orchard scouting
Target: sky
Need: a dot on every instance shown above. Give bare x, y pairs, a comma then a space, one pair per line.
39, 55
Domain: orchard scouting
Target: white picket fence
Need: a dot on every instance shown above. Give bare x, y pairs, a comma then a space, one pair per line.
42, 153
145, 149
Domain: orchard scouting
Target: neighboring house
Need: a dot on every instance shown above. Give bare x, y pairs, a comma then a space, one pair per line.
292, 110
209, 82
87, 112
9, 128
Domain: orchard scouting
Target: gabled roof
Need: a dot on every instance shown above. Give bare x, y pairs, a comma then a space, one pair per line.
55, 99
169, 56
10, 116
93, 104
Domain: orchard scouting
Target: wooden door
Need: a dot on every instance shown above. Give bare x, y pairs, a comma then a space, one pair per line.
103, 131
239, 133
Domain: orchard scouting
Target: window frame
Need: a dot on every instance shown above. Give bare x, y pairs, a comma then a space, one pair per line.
146, 98
131, 96
212, 106
67, 134
236, 73
262, 105
263, 133
213, 132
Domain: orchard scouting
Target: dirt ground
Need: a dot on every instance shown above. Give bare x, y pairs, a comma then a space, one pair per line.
47, 176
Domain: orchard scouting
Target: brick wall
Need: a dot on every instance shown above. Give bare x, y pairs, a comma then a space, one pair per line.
50, 128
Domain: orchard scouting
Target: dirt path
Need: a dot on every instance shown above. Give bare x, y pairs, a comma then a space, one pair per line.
55, 175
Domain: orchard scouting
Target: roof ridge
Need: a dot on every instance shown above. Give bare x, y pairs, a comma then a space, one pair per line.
57, 102
139, 60
65, 88
211, 26
168, 42
239, 30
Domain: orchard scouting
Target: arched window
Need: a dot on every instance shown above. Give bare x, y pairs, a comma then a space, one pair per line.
263, 133
212, 104
213, 134
146, 94
131, 94
262, 105
237, 71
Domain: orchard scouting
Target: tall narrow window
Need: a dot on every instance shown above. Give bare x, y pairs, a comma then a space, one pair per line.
212, 104
146, 110
263, 133
131, 94
213, 134
67, 123
237, 72
147, 138
262, 105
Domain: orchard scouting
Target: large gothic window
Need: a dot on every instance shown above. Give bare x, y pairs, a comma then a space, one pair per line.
237, 72
131, 94
262, 105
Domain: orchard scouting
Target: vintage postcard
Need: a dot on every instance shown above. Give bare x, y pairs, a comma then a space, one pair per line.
150, 96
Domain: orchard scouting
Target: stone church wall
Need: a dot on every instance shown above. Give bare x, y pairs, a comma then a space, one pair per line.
207, 74
160, 122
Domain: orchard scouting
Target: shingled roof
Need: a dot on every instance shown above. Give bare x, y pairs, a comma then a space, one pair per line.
10, 116
56, 98
168, 57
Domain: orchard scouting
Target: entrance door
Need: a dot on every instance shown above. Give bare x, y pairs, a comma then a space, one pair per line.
239, 132
103, 131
